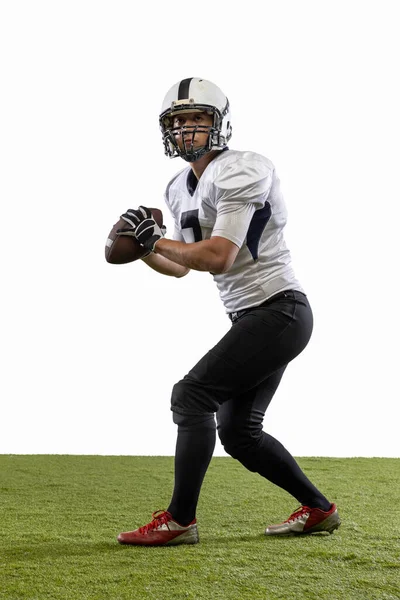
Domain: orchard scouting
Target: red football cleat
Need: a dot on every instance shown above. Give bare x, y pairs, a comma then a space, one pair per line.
307, 520
162, 531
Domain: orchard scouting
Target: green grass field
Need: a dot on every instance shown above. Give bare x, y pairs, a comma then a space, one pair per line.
60, 516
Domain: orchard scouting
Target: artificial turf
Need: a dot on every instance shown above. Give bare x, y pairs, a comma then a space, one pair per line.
60, 515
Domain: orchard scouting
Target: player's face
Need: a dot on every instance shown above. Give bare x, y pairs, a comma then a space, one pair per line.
185, 133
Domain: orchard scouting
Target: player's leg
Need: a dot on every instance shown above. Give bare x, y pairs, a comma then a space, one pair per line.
261, 343
240, 428
194, 449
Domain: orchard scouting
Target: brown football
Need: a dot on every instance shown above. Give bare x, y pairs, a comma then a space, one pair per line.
125, 248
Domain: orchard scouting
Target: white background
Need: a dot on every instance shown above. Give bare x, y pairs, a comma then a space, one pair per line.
90, 351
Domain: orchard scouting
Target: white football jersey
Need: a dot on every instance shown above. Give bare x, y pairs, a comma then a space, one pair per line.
237, 197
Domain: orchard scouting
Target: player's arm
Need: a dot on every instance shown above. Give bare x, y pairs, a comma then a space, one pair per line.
215, 255
163, 265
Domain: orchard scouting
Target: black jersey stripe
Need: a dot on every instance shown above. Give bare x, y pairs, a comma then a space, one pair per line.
183, 91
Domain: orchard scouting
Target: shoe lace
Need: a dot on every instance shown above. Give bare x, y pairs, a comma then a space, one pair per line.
299, 512
159, 518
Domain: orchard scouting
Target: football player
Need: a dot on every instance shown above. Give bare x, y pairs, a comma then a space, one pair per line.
229, 217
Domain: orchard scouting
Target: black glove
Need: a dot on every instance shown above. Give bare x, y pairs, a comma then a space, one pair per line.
143, 227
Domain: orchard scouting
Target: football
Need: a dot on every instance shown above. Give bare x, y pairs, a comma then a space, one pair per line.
122, 249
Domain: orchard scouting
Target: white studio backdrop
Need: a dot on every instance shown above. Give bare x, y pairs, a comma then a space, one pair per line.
90, 351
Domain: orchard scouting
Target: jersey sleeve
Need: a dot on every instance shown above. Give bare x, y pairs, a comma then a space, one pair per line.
241, 189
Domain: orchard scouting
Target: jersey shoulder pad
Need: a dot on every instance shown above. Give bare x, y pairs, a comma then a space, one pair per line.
243, 175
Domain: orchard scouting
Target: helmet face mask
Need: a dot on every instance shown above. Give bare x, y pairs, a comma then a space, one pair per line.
211, 101
187, 149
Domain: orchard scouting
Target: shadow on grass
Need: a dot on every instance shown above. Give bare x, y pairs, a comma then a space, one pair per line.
54, 549
264, 539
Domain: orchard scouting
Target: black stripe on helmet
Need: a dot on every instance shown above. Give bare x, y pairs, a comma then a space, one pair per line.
183, 91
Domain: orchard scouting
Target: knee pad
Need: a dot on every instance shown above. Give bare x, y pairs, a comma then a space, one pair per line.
178, 397
194, 421
190, 397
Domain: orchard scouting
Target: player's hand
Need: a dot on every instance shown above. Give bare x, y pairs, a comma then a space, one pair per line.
143, 227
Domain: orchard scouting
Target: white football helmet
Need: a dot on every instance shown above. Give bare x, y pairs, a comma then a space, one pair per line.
189, 96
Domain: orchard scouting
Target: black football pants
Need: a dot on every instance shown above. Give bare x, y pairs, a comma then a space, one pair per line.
237, 380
